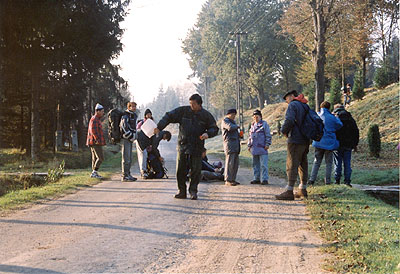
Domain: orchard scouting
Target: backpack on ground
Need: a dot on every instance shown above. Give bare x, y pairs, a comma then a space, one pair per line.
114, 119
155, 168
312, 126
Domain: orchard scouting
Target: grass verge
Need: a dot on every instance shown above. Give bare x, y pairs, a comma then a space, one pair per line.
20, 198
361, 231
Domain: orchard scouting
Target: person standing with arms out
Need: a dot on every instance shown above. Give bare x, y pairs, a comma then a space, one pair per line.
258, 144
95, 140
297, 146
348, 137
142, 154
231, 138
195, 125
128, 132
326, 145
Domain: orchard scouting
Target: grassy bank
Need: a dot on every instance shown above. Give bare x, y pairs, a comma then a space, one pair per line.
22, 191
361, 231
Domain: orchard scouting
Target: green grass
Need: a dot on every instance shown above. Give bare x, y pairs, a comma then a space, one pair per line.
362, 233
22, 191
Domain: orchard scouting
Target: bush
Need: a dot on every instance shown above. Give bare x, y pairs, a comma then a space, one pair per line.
381, 78
374, 140
334, 93
358, 88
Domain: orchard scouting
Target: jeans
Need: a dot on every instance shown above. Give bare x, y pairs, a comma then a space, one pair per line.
142, 157
342, 155
126, 156
319, 154
260, 163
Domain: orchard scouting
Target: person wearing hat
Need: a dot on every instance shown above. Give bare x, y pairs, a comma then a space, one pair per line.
128, 132
95, 140
231, 138
142, 154
258, 144
297, 146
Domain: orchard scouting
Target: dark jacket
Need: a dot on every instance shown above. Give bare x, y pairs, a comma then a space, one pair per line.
293, 118
191, 126
151, 144
230, 135
128, 125
349, 134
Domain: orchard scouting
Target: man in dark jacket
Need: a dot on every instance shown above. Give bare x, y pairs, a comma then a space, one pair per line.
230, 135
297, 147
195, 125
348, 137
128, 132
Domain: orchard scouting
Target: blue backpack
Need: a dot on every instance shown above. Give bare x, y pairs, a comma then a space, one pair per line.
312, 126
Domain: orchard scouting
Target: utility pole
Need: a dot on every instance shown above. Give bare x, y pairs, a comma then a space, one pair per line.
239, 97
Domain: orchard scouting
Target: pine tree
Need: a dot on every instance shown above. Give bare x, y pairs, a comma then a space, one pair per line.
358, 88
334, 93
374, 140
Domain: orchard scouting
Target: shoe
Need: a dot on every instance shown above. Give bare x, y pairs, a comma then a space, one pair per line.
255, 182
287, 195
348, 184
128, 178
180, 195
193, 196
264, 183
132, 178
144, 175
310, 183
95, 175
337, 182
227, 183
237, 183
301, 193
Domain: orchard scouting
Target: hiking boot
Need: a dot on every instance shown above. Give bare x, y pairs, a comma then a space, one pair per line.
287, 195
180, 195
128, 178
193, 196
301, 193
227, 183
264, 183
337, 182
255, 182
236, 182
348, 184
310, 183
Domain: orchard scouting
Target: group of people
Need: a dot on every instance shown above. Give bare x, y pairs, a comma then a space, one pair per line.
149, 158
197, 124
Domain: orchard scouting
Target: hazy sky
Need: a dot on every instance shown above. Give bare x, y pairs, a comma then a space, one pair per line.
152, 54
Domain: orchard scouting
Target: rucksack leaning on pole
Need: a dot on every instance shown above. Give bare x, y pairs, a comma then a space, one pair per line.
114, 119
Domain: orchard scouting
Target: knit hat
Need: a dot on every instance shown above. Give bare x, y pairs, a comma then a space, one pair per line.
257, 112
232, 110
294, 92
147, 111
98, 107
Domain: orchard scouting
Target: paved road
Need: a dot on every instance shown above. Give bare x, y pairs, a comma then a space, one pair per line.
139, 227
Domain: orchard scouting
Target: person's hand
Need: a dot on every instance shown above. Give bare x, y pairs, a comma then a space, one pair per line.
204, 136
156, 131
266, 147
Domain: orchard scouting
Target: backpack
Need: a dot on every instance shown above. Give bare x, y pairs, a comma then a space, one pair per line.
114, 119
348, 134
155, 168
312, 126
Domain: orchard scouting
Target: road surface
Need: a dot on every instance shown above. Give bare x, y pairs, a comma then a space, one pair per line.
139, 227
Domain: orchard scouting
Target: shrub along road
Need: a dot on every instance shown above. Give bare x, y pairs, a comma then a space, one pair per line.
140, 227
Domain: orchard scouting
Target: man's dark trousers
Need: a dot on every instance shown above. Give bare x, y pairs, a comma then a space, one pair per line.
183, 163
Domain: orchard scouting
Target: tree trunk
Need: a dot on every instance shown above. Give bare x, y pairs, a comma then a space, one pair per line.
364, 70
318, 54
35, 131
260, 97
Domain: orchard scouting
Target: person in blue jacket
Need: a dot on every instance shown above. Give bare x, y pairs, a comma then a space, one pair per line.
258, 145
326, 145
